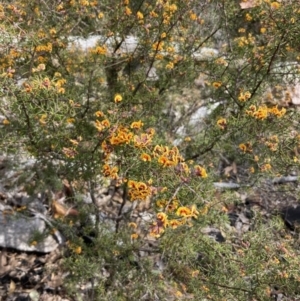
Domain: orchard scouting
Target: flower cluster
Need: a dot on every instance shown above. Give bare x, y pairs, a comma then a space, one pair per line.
56, 84
111, 172
245, 41
222, 123
243, 96
167, 157
200, 171
266, 167
262, 112
246, 147
272, 143
100, 50
44, 48
184, 216
121, 136
138, 190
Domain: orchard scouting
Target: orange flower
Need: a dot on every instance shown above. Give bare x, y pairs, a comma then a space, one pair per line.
132, 225
217, 84
134, 236
99, 126
200, 171
222, 123
145, 157
99, 114
162, 217
136, 125
105, 123
184, 211
118, 98
174, 223
243, 147
164, 161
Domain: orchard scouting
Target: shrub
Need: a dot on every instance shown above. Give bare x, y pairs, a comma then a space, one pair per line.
162, 98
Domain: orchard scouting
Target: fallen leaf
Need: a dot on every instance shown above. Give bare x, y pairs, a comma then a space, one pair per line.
248, 4
60, 210
12, 287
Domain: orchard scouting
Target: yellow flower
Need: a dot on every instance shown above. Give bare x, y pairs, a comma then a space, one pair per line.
158, 46
222, 123
77, 250
241, 97
170, 65
244, 96
42, 119
134, 236
153, 14
261, 113
99, 50
162, 217
248, 17
99, 126
110, 172
200, 171
275, 111
118, 98
136, 124
275, 5
171, 8
132, 225
184, 211
195, 212
41, 67
5, 122
52, 31
243, 147
193, 16
263, 30
145, 157
84, 3
161, 203
61, 90
150, 132
163, 35
164, 161
252, 169
139, 15
174, 223
247, 94
128, 11
99, 114
217, 84
105, 123
266, 167
74, 142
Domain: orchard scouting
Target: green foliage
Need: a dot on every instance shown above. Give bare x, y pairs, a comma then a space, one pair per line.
112, 111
